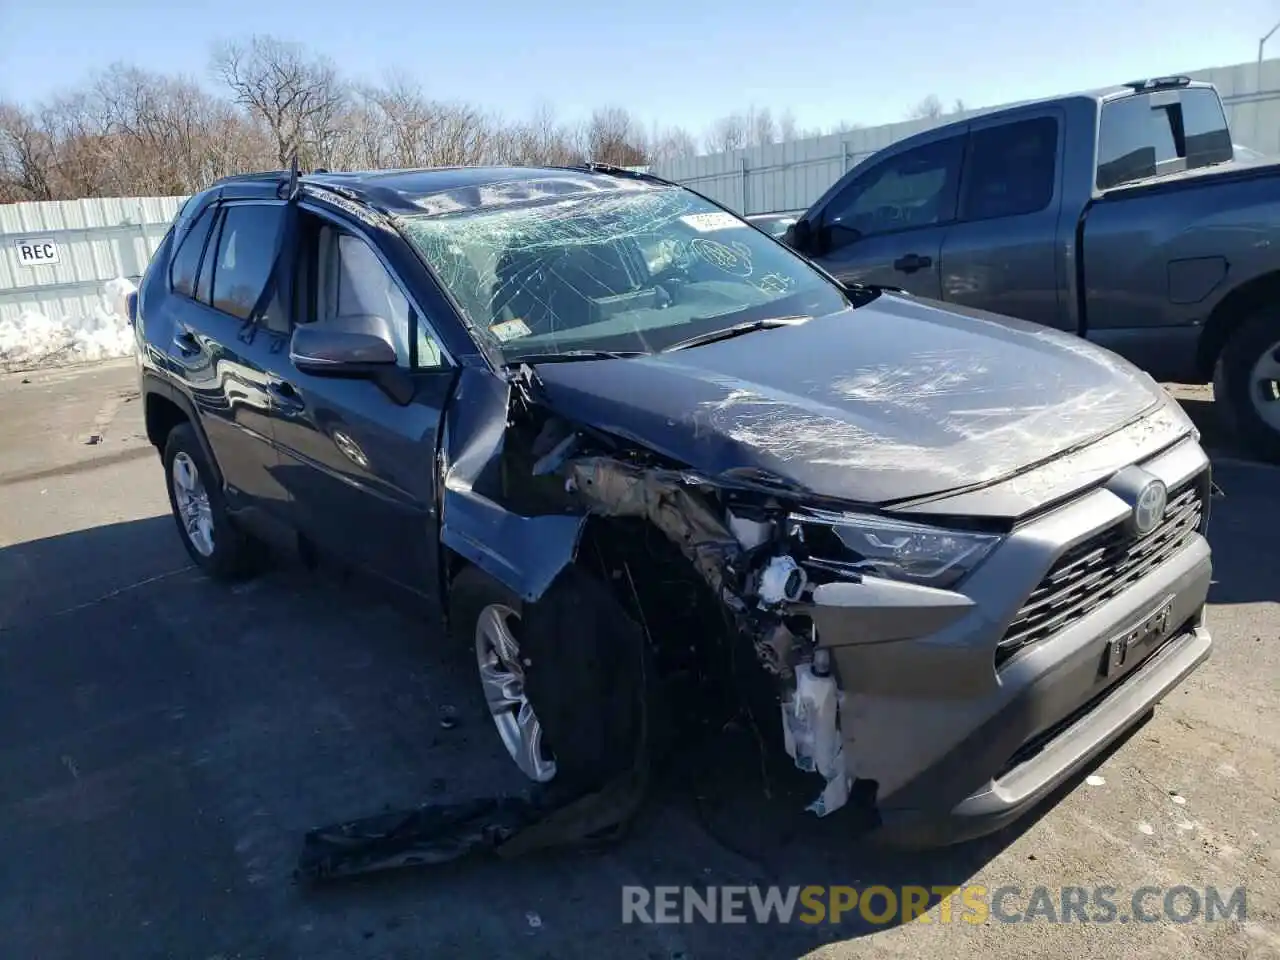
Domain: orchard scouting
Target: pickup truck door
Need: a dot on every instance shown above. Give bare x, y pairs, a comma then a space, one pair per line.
1001, 254
885, 225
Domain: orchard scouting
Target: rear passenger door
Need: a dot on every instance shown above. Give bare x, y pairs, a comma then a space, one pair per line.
359, 467
886, 225
1002, 253
217, 354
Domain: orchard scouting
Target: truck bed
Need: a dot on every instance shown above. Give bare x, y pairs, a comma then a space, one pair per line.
1153, 259
1221, 173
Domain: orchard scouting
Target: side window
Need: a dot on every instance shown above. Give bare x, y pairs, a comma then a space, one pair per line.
1010, 169
245, 255
186, 261
913, 189
205, 280
351, 281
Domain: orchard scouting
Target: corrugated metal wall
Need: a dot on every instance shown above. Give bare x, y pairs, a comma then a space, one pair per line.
97, 240
790, 176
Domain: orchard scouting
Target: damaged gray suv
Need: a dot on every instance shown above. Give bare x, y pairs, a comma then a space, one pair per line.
606, 427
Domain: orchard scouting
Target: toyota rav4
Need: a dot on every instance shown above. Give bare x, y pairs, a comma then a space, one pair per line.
606, 427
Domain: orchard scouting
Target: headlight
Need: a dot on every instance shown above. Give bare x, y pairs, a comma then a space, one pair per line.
899, 549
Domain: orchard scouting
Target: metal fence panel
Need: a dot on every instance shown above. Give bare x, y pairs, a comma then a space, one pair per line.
95, 241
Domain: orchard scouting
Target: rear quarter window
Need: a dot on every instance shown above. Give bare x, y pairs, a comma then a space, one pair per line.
1011, 169
186, 260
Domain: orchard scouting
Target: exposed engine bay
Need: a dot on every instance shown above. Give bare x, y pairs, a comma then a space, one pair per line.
760, 560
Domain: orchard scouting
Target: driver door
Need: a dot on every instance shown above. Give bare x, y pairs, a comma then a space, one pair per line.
360, 467
887, 224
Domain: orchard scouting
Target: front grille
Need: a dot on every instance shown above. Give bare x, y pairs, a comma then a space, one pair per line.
1092, 572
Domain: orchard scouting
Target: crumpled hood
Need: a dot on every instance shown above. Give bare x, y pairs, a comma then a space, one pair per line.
898, 399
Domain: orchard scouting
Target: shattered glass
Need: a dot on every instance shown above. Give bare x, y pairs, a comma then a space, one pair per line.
547, 266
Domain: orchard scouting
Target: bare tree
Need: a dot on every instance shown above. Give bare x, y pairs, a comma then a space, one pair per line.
672, 143
930, 108
732, 132
763, 130
787, 129
298, 97
129, 131
613, 136
958, 106
26, 156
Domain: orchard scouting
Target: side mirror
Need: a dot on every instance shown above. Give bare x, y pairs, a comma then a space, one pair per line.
352, 346
799, 236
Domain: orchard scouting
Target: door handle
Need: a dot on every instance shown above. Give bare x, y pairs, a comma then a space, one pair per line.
284, 395
912, 262
186, 343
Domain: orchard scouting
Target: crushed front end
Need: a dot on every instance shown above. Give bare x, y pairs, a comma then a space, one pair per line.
949, 665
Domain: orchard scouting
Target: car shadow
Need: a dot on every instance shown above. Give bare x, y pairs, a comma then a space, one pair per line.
57, 574
1244, 528
1215, 434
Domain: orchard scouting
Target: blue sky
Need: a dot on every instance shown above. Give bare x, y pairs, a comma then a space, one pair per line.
670, 61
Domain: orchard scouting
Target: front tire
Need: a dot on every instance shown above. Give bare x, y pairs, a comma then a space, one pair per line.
569, 673
1247, 383
209, 536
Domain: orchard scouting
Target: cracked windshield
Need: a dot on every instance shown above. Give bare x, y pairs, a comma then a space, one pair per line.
554, 266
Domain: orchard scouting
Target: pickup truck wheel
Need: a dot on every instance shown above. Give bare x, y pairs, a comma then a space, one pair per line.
208, 534
1247, 382
561, 677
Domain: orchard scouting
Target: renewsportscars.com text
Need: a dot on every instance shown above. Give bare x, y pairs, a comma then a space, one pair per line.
975, 904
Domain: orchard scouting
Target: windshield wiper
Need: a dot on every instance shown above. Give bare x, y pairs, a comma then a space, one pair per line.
568, 356
736, 330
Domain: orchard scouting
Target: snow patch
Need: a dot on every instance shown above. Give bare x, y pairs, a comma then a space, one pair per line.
35, 339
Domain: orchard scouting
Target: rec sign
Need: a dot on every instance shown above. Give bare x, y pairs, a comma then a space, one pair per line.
36, 252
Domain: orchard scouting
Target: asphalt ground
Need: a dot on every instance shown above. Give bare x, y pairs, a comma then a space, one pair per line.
165, 742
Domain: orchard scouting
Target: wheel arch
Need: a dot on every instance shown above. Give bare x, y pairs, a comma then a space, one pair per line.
165, 407
1236, 307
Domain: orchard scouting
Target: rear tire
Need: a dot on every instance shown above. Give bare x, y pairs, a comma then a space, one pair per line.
1247, 373
195, 496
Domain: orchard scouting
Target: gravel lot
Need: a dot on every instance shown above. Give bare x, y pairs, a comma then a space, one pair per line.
164, 743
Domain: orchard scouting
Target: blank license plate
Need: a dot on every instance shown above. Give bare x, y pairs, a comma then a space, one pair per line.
1132, 645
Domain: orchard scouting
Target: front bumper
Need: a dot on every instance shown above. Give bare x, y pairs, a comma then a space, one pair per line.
960, 744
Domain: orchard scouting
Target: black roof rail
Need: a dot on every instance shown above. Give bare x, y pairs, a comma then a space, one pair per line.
1158, 83
616, 171
259, 175
282, 177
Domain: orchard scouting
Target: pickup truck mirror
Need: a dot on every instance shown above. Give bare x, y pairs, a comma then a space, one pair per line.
351, 346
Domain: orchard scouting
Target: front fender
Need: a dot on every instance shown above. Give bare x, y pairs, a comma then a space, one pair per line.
525, 554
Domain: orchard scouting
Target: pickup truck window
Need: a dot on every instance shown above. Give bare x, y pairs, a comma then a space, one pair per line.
1160, 132
1010, 169
913, 189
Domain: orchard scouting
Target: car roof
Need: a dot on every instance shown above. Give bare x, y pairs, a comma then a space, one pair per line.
447, 189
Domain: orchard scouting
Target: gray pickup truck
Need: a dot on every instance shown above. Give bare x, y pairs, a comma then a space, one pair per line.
1121, 215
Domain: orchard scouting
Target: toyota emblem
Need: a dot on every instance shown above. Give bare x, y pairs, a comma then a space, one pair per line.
1149, 510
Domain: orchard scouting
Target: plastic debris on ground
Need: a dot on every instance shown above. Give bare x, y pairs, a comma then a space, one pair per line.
438, 833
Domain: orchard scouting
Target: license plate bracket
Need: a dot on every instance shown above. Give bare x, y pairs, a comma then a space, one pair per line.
1126, 649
